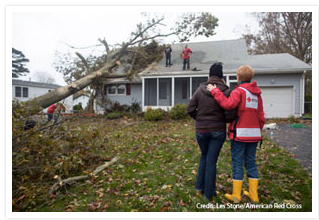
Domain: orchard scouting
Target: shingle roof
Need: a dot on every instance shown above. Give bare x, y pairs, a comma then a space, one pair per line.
34, 84
232, 53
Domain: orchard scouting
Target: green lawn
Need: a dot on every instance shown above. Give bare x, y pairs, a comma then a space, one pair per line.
157, 172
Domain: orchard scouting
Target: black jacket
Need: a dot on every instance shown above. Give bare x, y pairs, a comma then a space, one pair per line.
205, 110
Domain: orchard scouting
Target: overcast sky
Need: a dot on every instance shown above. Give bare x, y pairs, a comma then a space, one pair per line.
40, 33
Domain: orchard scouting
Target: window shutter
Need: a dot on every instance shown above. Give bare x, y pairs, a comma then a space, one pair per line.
128, 89
105, 89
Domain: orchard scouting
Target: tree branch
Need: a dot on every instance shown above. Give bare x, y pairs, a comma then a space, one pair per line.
61, 183
88, 69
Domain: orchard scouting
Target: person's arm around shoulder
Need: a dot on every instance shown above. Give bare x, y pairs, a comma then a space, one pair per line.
226, 103
192, 106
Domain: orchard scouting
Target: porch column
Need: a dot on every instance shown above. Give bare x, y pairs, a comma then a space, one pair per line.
190, 87
143, 87
157, 92
173, 91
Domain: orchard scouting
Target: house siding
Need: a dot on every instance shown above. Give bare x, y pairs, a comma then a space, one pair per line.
269, 80
136, 95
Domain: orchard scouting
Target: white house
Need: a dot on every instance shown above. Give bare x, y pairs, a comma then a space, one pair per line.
81, 97
26, 90
281, 78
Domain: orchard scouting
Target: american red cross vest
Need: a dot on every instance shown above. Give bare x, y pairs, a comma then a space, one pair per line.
246, 127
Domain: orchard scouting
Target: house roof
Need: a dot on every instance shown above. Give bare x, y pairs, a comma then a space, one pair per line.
232, 53
34, 84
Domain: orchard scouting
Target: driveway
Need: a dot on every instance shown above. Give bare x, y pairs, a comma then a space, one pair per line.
297, 141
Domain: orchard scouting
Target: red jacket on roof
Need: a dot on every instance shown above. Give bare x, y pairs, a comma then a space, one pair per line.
250, 114
186, 53
52, 108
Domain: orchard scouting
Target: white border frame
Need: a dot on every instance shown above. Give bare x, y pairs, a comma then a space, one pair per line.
84, 8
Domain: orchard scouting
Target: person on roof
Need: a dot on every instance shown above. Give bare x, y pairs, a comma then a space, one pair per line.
186, 57
168, 56
244, 131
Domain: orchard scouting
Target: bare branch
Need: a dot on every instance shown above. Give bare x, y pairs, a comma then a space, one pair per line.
88, 69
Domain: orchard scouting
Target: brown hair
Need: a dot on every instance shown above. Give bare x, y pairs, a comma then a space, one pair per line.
245, 73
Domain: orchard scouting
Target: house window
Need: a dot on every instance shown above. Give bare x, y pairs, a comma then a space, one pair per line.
196, 81
233, 77
150, 92
116, 89
184, 89
25, 92
162, 90
121, 89
165, 91
18, 91
111, 89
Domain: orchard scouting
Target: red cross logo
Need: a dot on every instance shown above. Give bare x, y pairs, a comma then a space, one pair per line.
249, 99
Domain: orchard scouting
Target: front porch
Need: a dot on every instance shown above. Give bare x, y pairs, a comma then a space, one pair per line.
157, 90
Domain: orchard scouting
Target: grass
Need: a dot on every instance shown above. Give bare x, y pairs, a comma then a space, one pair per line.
157, 172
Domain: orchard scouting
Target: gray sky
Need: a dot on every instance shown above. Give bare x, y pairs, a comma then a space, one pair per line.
40, 33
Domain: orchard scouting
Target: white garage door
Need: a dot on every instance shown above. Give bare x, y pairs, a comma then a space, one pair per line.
278, 101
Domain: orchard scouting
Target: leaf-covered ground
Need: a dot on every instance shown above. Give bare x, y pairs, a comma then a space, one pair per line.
157, 172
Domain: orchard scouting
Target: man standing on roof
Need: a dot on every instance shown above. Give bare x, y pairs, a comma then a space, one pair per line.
168, 55
186, 56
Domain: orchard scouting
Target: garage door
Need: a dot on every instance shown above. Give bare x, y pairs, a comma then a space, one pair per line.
278, 101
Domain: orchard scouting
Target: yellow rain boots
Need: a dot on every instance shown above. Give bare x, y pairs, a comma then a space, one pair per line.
236, 196
252, 194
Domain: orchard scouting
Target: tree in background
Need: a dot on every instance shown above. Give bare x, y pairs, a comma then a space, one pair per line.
43, 77
18, 63
284, 32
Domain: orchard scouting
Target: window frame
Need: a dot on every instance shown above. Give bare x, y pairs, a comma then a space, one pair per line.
23, 92
116, 89
20, 90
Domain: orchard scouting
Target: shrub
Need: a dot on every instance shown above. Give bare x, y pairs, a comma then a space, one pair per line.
78, 107
179, 111
114, 115
117, 107
154, 114
135, 106
293, 119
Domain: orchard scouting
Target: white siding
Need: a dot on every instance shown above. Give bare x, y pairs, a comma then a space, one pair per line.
37, 91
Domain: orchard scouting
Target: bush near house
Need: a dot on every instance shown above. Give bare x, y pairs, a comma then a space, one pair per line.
77, 107
154, 114
114, 115
179, 111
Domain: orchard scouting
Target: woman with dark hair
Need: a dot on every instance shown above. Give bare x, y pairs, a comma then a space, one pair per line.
210, 129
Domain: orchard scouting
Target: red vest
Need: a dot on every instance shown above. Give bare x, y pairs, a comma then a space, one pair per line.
52, 108
248, 125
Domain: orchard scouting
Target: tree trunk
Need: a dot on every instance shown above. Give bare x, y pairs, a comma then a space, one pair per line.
65, 91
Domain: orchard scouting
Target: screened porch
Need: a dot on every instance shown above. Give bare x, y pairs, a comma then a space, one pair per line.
165, 92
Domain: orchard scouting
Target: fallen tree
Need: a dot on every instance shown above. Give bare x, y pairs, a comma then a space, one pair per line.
191, 24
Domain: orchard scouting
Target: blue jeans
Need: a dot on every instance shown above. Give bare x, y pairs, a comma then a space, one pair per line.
210, 145
55, 118
243, 153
